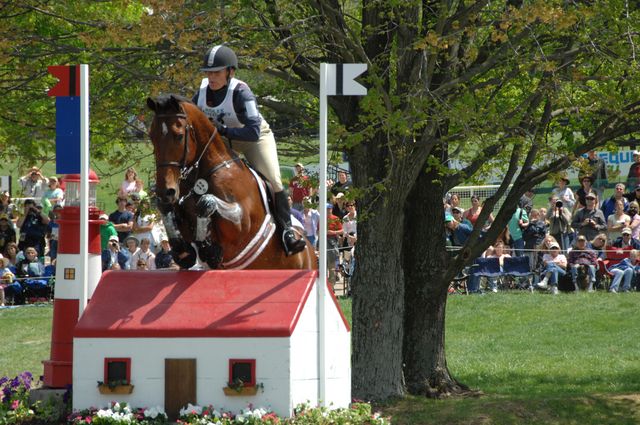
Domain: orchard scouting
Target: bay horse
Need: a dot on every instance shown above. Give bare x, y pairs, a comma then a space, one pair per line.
210, 198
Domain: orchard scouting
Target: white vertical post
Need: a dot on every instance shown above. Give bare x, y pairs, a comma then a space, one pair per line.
322, 279
84, 185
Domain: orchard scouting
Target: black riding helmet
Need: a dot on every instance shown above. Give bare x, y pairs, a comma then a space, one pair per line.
219, 57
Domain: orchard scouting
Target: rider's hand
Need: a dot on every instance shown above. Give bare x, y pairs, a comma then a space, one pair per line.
222, 129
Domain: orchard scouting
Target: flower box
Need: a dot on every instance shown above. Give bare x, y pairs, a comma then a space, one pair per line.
249, 390
118, 389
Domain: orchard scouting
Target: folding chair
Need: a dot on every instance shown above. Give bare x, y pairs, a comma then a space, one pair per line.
518, 268
487, 268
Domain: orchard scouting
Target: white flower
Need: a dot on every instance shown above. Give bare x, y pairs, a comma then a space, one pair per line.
191, 409
151, 413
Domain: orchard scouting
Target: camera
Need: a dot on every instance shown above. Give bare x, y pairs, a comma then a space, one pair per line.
558, 204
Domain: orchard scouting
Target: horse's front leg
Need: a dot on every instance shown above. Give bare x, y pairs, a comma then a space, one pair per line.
177, 224
209, 250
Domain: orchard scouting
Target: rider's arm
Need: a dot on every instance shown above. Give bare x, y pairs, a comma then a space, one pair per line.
246, 108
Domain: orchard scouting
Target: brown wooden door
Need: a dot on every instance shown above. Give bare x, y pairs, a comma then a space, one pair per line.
179, 385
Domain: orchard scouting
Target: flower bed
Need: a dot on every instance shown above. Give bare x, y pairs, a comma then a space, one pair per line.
16, 409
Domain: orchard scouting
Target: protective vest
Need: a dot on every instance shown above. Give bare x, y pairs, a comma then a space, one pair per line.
224, 113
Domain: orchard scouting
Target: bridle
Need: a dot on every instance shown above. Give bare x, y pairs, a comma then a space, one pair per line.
186, 170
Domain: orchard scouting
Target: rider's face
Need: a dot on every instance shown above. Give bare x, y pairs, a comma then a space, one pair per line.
217, 79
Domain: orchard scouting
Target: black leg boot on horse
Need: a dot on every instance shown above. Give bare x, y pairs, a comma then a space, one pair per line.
283, 221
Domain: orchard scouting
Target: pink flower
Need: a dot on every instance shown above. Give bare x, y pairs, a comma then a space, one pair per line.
15, 404
88, 419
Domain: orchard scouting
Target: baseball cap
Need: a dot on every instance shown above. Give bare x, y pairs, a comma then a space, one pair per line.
590, 195
636, 152
554, 246
164, 237
114, 238
299, 164
448, 218
626, 230
582, 238
456, 209
103, 216
339, 195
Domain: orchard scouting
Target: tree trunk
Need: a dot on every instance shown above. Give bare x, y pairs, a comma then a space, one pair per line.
425, 369
378, 304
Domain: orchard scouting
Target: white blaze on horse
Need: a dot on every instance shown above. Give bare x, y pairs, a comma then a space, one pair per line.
209, 198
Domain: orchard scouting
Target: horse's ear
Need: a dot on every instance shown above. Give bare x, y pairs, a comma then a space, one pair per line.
175, 102
151, 104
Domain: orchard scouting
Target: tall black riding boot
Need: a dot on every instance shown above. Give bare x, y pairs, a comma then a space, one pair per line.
283, 221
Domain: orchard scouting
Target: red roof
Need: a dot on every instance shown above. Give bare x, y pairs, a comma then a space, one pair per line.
263, 303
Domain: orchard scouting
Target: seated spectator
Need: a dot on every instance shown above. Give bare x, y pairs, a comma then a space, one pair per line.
497, 251
13, 254
33, 227
144, 220
164, 257
145, 254
297, 214
7, 232
131, 245
555, 266
543, 248
623, 271
582, 256
33, 184
617, 221
141, 265
589, 221
53, 196
114, 258
599, 245
334, 230
30, 269
626, 240
9, 288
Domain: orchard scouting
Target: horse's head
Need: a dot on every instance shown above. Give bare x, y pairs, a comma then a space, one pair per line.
174, 144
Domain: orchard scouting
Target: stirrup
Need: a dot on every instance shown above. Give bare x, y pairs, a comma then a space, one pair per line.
294, 246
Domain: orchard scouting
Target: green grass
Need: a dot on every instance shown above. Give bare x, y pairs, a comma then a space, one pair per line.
538, 359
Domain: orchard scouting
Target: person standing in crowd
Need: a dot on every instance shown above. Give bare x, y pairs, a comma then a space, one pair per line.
6, 206
339, 209
53, 233
533, 235
311, 221
609, 206
586, 186
128, 185
297, 214
122, 219
526, 200
454, 201
559, 218
334, 231
33, 184
564, 193
33, 227
517, 224
342, 185
633, 178
107, 230
349, 230
459, 231
582, 256
598, 171
555, 266
299, 187
7, 232
589, 221
114, 258
53, 196
232, 107
633, 195
144, 221
635, 219
473, 213
617, 221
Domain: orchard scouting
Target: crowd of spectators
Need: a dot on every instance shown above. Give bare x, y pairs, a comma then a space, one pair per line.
582, 235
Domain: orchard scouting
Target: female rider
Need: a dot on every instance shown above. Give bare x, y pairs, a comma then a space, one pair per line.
232, 107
